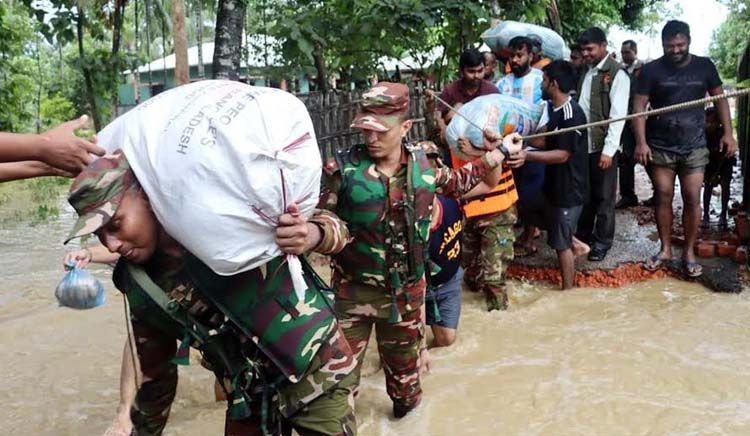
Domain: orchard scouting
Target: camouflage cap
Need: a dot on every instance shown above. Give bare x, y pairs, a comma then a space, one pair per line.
383, 107
97, 191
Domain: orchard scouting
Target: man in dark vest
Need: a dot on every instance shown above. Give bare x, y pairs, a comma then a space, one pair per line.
604, 92
632, 66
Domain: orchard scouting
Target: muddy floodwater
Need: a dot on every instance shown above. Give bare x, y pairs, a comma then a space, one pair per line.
656, 358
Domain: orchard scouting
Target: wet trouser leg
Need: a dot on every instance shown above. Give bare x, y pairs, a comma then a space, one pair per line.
627, 166
398, 344
156, 393
331, 414
597, 223
490, 251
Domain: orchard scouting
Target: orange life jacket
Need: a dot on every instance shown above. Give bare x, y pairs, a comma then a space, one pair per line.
500, 198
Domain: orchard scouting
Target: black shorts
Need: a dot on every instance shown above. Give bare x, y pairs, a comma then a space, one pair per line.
559, 222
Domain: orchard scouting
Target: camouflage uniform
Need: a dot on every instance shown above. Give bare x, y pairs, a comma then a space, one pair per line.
379, 277
267, 395
486, 254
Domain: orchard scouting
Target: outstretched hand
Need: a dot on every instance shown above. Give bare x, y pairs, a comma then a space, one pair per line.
62, 149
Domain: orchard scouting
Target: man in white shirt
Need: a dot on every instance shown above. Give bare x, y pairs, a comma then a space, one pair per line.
604, 93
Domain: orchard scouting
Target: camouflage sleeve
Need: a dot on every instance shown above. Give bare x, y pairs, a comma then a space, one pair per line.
334, 230
458, 182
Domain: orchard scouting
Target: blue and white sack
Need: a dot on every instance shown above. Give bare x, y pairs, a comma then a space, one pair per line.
79, 289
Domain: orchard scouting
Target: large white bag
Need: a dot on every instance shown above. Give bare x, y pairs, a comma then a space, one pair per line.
219, 160
499, 113
498, 38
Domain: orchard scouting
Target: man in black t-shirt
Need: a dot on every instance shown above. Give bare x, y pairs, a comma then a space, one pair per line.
674, 144
566, 179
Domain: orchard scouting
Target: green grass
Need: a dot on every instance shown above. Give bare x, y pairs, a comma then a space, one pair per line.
32, 201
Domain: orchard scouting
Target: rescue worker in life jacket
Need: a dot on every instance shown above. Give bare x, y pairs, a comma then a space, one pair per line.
384, 190
173, 296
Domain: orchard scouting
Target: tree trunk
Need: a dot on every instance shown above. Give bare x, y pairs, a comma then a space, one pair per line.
199, 36
553, 17
320, 66
230, 22
114, 61
181, 68
88, 81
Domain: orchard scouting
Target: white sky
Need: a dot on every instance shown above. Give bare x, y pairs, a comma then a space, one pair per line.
703, 16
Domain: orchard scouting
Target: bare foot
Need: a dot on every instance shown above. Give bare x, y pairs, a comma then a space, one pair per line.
580, 248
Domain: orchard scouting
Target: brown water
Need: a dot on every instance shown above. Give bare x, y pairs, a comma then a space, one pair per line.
659, 358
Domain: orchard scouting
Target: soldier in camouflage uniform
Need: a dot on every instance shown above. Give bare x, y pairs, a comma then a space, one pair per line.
260, 340
384, 191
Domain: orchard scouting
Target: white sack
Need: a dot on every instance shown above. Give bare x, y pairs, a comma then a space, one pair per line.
208, 152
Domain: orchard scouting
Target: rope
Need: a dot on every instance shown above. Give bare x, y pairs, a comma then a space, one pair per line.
647, 113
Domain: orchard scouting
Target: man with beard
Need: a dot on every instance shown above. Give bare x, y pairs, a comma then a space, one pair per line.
524, 83
675, 144
604, 92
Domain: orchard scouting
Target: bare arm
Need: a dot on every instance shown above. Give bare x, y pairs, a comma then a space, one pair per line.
96, 254
728, 144
58, 147
551, 157
28, 169
642, 151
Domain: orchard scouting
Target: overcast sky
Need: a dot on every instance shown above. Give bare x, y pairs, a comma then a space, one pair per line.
703, 16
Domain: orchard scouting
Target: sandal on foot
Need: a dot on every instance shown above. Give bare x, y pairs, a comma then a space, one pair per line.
692, 269
654, 262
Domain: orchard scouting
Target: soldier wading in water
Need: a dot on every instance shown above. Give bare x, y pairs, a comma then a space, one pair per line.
251, 329
384, 190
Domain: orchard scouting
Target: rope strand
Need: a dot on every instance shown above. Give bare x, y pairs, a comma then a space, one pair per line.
647, 113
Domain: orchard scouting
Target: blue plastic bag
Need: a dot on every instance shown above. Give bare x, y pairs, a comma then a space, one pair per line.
499, 113
79, 289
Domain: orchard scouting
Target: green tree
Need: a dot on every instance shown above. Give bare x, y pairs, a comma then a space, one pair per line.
730, 39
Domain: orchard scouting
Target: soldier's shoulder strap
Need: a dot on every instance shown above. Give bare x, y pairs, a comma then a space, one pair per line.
344, 157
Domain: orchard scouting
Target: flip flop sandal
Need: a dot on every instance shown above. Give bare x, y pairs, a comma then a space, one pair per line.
692, 269
654, 262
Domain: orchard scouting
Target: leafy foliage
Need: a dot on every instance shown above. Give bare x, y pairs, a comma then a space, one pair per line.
730, 39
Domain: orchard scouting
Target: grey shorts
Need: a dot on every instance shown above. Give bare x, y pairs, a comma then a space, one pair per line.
682, 165
559, 222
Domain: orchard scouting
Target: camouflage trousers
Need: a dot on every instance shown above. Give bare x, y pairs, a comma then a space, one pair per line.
332, 413
487, 251
398, 343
